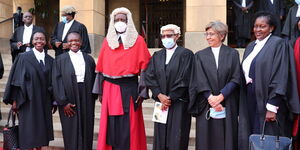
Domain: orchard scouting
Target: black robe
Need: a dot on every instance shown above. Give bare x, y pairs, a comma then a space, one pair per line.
78, 130
76, 27
215, 134
172, 80
30, 86
290, 28
243, 20
277, 9
274, 73
18, 37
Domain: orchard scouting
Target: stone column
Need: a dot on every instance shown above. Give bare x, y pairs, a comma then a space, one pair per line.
25, 4
6, 11
198, 14
92, 14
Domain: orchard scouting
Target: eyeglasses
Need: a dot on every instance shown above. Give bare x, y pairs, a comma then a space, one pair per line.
167, 35
27, 16
209, 34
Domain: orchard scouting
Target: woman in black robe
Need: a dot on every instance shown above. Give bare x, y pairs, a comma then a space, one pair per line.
29, 91
168, 76
214, 87
73, 78
268, 70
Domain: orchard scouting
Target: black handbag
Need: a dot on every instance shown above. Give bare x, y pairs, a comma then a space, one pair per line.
269, 142
10, 133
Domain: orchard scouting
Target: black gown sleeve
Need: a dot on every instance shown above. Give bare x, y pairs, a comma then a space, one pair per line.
235, 80
57, 83
181, 84
85, 47
54, 37
151, 78
14, 40
97, 88
18, 83
143, 90
8, 89
198, 85
286, 30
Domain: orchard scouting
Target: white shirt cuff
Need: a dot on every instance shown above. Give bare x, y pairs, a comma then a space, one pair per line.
272, 108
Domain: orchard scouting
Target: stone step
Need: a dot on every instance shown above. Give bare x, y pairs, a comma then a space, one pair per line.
57, 144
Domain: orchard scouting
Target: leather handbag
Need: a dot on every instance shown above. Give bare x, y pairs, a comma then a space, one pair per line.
269, 142
10, 133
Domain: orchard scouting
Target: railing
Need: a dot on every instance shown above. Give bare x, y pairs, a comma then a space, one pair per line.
6, 20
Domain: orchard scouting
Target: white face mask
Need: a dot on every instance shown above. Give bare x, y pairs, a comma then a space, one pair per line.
168, 42
120, 26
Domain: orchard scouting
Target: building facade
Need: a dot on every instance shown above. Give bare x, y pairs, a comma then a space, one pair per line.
148, 16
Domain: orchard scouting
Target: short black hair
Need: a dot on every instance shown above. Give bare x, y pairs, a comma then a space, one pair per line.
19, 8
76, 33
271, 20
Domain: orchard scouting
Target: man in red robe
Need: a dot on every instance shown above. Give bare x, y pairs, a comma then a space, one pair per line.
123, 57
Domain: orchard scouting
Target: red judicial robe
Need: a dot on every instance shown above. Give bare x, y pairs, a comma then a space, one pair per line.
121, 123
297, 117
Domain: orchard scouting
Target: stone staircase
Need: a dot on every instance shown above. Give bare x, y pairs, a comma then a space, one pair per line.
57, 144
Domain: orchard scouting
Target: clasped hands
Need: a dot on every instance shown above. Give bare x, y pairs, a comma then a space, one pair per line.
215, 102
165, 100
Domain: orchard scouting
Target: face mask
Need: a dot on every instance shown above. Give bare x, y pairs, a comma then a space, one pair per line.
168, 42
298, 2
120, 26
211, 113
64, 19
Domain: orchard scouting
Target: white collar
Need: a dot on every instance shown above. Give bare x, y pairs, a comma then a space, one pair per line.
264, 40
73, 53
216, 48
298, 11
39, 55
172, 49
29, 27
70, 22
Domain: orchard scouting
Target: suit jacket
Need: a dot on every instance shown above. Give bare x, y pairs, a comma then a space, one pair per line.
76, 27
18, 37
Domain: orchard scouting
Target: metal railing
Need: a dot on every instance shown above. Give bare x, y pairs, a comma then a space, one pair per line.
6, 20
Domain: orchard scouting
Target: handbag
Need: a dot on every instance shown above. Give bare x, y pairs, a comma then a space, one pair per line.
10, 133
269, 142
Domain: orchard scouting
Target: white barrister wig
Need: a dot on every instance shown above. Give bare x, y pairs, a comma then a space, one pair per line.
131, 34
68, 10
172, 27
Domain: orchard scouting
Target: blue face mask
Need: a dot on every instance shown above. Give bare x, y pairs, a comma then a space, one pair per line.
168, 42
298, 2
215, 114
64, 19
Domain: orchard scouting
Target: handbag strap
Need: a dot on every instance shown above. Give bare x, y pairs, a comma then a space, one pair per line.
13, 116
264, 126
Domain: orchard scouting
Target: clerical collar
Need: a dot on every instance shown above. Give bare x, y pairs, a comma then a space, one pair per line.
30, 27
